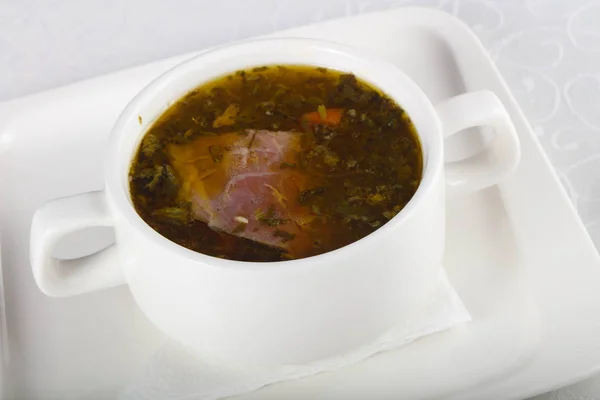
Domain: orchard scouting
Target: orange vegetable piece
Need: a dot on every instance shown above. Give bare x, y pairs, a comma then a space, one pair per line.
333, 117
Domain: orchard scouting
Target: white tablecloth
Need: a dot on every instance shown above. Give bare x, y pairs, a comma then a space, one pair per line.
547, 50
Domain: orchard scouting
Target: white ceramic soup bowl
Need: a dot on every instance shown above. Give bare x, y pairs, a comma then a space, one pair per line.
285, 312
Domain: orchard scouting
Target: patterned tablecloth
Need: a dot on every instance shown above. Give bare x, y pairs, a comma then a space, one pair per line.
547, 50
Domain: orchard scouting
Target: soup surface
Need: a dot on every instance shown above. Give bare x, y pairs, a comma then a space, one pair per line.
276, 163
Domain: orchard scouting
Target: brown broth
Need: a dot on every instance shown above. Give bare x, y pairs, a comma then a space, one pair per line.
350, 161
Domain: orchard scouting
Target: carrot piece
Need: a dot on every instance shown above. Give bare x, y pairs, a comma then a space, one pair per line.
332, 116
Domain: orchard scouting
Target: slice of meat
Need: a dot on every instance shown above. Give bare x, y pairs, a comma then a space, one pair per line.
247, 184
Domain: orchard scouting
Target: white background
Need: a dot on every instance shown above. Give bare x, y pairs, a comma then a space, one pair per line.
547, 50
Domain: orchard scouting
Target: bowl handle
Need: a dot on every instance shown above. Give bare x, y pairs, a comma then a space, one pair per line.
499, 159
54, 220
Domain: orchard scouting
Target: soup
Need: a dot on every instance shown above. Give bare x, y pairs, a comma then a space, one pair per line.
276, 163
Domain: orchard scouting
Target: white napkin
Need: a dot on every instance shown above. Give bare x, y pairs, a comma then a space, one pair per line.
176, 374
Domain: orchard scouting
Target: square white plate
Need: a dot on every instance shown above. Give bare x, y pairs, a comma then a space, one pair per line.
517, 254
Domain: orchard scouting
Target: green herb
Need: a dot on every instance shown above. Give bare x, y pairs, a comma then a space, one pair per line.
283, 235
169, 187
309, 194
375, 224
258, 214
146, 173
140, 119
331, 159
150, 145
216, 153
174, 215
389, 214
169, 173
348, 211
376, 198
322, 111
270, 212
269, 217
273, 221
285, 165
198, 120
157, 176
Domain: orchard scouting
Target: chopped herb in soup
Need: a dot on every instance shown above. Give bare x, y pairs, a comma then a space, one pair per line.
276, 163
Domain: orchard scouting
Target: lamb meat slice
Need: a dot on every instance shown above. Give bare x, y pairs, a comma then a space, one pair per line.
246, 184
